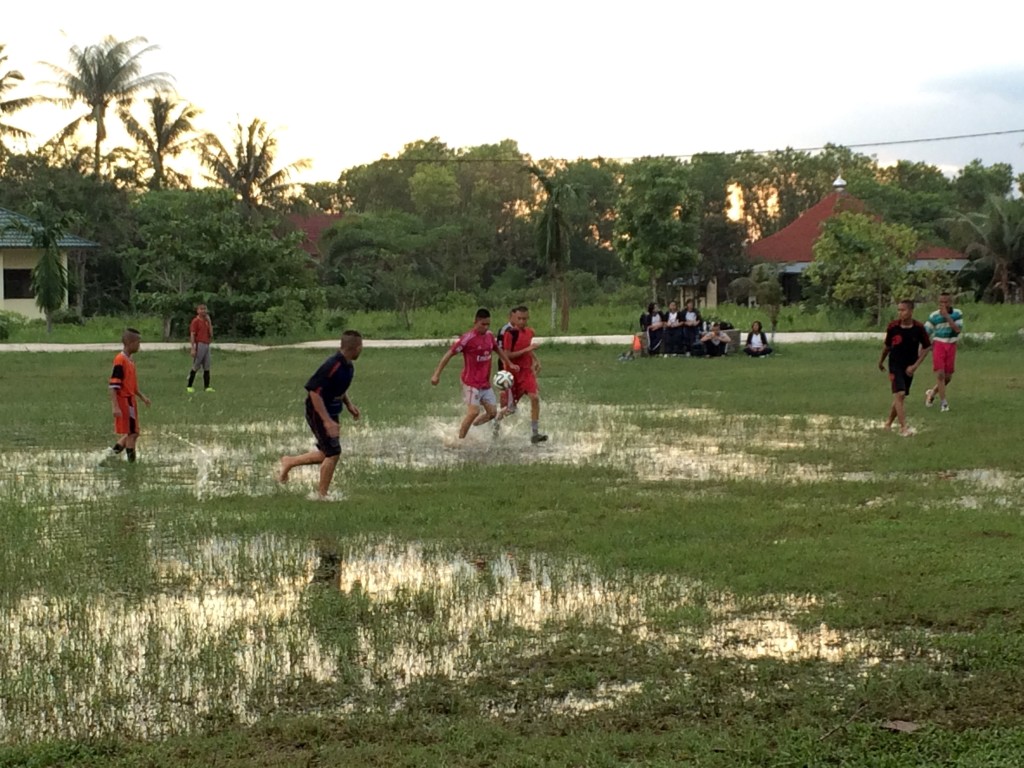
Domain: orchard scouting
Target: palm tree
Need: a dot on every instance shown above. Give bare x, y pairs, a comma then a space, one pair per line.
107, 73
46, 227
996, 236
166, 135
246, 169
555, 237
8, 81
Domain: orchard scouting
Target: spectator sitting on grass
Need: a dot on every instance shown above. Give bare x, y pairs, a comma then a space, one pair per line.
715, 341
757, 342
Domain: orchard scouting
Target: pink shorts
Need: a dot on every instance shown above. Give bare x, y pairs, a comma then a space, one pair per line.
943, 357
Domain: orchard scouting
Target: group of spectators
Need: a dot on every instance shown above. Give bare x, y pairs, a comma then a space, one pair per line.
683, 332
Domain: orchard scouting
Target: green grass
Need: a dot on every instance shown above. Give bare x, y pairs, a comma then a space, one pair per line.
434, 323
592, 602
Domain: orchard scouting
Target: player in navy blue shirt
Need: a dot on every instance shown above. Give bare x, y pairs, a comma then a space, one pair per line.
906, 345
326, 394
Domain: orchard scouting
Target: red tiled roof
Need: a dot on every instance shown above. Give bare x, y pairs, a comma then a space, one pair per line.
313, 227
938, 252
793, 243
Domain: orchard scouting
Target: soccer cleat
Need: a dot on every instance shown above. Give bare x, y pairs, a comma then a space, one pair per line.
944, 408
190, 390
209, 389
538, 438
929, 397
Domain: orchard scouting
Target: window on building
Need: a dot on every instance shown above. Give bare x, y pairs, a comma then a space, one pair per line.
18, 284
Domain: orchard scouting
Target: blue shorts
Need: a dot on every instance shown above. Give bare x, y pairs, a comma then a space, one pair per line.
327, 445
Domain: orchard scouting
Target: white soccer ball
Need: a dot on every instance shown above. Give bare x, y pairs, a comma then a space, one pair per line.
503, 380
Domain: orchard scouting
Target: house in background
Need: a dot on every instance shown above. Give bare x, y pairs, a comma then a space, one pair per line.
313, 226
18, 257
791, 249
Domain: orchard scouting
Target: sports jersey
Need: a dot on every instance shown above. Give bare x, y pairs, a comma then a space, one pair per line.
201, 329
513, 340
122, 377
476, 349
331, 381
904, 344
940, 330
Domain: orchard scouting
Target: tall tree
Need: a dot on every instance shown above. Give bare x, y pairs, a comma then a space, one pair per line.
102, 75
167, 133
995, 236
8, 106
863, 262
658, 224
554, 237
247, 169
46, 227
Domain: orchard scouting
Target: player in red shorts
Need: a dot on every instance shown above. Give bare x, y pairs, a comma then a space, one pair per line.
124, 389
517, 341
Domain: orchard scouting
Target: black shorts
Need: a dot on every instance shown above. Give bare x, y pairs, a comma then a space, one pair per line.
900, 381
327, 445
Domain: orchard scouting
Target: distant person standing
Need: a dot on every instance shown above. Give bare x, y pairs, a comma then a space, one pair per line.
517, 342
906, 344
124, 389
476, 346
200, 333
691, 327
326, 395
652, 323
673, 330
944, 327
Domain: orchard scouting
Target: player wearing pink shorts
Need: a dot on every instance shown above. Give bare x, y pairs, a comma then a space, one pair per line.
944, 327
476, 347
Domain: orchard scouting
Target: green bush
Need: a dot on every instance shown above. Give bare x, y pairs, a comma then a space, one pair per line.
9, 322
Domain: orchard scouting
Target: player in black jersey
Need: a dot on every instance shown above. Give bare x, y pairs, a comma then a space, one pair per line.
906, 345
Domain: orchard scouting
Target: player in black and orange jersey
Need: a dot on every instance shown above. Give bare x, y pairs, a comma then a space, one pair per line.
124, 389
906, 345
326, 394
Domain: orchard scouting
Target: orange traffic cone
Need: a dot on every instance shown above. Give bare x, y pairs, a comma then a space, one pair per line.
637, 346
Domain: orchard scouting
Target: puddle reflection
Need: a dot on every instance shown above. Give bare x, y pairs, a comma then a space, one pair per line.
241, 623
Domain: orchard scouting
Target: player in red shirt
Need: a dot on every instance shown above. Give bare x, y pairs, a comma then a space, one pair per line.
906, 345
517, 342
124, 389
200, 332
476, 346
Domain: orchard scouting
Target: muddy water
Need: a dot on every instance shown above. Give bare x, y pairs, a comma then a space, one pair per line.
239, 459
233, 634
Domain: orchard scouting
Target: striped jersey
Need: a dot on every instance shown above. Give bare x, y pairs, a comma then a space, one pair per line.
940, 330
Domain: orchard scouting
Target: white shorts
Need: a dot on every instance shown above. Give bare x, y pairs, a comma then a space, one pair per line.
473, 396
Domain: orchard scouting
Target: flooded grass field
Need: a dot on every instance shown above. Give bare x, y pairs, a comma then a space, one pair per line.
659, 571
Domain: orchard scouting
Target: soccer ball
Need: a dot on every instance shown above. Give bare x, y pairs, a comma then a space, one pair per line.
503, 380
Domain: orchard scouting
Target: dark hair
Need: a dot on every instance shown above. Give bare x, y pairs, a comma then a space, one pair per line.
350, 339
520, 308
130, 333
758, 324
908, 302
482, 313
651, 306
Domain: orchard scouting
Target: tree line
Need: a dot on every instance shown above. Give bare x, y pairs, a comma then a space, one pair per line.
437, 224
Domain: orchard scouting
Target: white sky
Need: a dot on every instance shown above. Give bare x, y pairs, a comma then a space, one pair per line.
344, 83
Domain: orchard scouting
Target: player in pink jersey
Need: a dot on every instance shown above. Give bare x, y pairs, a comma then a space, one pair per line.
476, 346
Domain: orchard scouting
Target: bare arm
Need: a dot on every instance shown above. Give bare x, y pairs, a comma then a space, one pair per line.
440, 366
